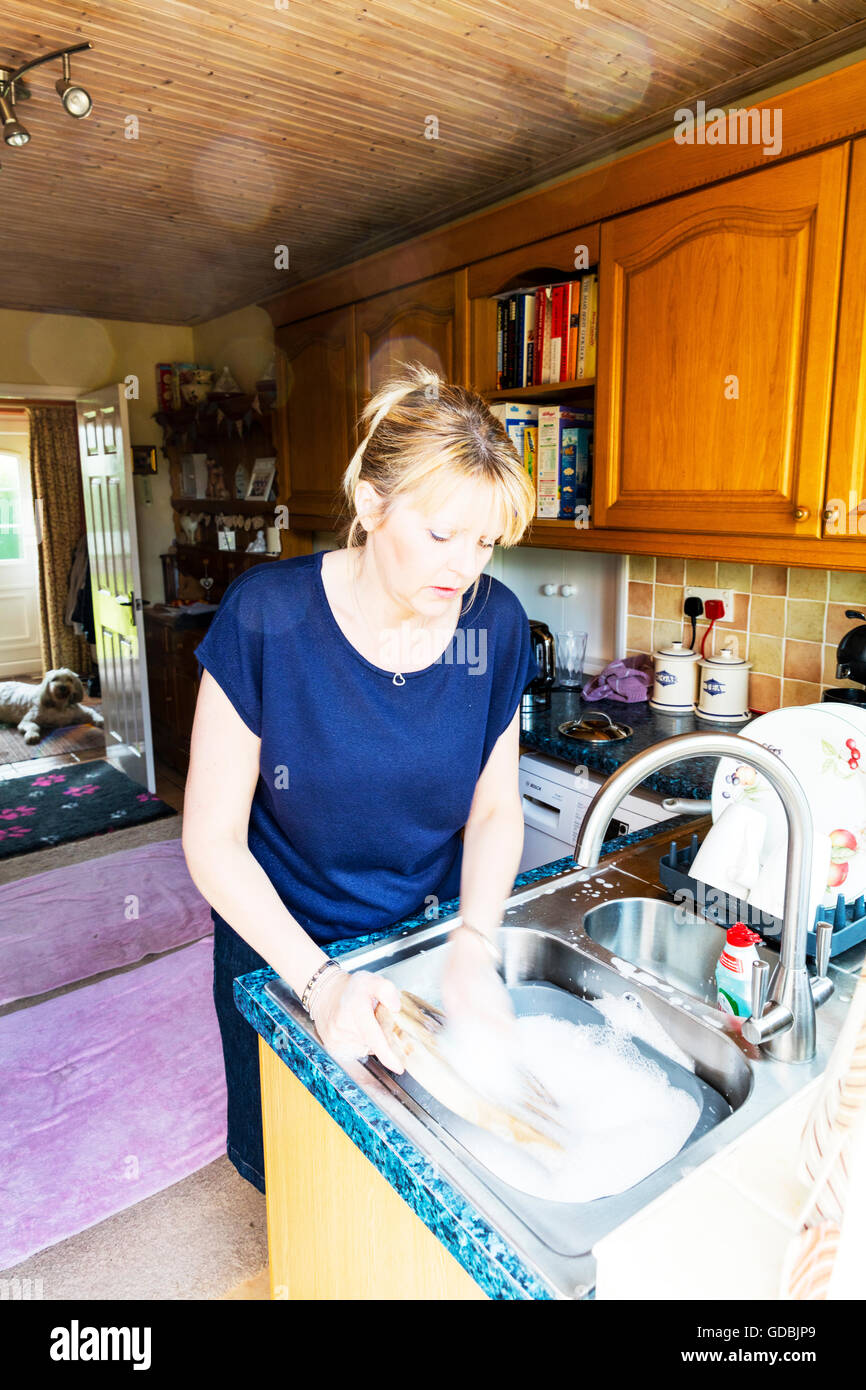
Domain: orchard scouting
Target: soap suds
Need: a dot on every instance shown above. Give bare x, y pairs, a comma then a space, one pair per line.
628, 1016
621, 1117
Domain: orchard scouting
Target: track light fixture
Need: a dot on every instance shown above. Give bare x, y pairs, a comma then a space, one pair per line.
14, 133
76, 100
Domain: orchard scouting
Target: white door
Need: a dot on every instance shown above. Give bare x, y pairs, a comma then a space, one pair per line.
106, 470
20, 647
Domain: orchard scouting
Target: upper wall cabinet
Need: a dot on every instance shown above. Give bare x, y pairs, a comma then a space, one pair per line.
425, 322
845, 502
717, 325
318, 375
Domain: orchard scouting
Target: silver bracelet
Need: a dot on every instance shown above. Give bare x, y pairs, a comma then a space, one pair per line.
488, 942
315, 978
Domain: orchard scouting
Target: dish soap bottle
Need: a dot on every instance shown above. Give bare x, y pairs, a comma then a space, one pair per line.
734, 971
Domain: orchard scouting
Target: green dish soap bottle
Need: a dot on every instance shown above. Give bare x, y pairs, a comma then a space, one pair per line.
734, 970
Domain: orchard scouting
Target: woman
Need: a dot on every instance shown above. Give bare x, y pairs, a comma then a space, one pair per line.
355, 746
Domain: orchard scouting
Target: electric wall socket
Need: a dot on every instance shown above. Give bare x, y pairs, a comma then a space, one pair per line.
726, 595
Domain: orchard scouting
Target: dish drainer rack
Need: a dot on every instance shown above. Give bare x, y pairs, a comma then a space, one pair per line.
849, 919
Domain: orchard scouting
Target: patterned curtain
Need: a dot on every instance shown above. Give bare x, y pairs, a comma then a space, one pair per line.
56, 477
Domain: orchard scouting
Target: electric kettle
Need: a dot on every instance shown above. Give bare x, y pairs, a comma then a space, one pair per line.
536, 696
850, 663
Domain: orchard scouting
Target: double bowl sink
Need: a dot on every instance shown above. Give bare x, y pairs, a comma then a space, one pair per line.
571, 943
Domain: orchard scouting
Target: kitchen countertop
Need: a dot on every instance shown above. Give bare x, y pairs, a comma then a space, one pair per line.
539, 732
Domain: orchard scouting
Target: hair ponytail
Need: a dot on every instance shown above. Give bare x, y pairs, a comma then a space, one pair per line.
422, 432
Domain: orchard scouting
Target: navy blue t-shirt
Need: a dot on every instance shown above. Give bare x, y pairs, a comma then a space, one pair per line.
364, 786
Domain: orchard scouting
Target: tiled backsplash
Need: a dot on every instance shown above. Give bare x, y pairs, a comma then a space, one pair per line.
787, 621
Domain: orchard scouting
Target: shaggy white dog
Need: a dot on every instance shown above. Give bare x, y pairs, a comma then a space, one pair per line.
51, 705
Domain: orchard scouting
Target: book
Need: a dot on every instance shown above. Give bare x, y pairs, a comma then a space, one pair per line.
583, 320
518, 341
569, 289
591, 355
544, 379
528, 342
500, 341
530, 450
509, 340
540, 333
573, 320
575, 444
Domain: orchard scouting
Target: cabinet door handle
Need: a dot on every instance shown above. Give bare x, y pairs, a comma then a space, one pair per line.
801, 513
830, 513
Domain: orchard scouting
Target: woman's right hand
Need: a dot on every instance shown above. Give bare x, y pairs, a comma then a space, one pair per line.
345, 1019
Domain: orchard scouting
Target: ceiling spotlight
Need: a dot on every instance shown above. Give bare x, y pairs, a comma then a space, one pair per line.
75, 99
14, 133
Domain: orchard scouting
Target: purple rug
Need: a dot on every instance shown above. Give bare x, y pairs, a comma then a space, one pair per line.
74, 922
108, 1094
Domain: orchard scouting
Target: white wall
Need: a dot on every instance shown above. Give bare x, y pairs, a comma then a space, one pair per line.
596, 608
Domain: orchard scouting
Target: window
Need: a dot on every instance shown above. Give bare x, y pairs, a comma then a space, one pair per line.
11, 507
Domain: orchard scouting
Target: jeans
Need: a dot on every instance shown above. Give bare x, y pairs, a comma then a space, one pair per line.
244, 1144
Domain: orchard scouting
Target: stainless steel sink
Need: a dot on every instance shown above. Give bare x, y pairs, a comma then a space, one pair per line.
664, 939
569, 942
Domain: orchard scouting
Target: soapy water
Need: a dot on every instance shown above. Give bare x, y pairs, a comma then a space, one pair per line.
621, 1117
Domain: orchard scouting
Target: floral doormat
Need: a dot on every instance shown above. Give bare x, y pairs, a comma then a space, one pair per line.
71, 804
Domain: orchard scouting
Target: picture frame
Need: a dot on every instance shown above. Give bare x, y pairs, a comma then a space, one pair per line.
261, 479
226, 540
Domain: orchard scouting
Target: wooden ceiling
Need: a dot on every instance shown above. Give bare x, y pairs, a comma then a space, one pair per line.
302, 123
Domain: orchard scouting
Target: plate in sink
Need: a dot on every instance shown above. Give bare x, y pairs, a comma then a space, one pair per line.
823, 752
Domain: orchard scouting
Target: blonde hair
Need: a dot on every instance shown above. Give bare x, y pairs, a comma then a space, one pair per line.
424, 433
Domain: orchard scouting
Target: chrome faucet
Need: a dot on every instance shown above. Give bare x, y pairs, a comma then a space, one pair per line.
784, 1026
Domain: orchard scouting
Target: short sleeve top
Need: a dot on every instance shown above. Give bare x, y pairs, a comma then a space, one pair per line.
364, 785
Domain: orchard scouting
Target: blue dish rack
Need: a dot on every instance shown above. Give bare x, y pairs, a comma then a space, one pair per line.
849, 919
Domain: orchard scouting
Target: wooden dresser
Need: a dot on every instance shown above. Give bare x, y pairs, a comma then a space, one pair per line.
172, 679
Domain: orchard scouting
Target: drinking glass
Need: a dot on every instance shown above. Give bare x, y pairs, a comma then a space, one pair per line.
570, 652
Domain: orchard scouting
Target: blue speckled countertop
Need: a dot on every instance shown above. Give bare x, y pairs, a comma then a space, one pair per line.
694, 777
474, 1243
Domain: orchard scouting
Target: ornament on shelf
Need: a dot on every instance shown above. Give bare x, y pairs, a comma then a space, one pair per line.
225, 385
216, 485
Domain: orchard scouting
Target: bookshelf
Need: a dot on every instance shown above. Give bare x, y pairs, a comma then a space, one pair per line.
545, 323
542, 394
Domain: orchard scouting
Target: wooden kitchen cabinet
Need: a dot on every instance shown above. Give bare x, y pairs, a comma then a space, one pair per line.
426, 322
331, 364
337, 1229
717, 331
846, 474
317, 379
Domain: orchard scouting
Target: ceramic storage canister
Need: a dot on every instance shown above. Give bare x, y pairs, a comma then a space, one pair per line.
724, 687
675, 679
